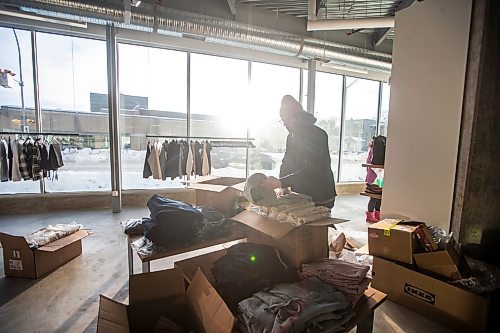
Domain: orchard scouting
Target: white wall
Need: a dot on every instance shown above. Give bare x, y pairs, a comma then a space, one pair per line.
427, 85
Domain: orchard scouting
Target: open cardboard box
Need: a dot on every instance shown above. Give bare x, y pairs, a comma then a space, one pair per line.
393, 239
299, 244
21, 261
217, 192
447, 263
163, 293
457, 308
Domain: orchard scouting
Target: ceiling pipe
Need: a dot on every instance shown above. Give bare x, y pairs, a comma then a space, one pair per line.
348, 24
164, 20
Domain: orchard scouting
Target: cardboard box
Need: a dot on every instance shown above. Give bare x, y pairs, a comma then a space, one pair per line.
457, 308
299, 244
444, 264
199, 308
393, 239
21, 261
217, 192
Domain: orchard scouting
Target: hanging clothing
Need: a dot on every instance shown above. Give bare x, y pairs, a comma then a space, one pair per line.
154, 160
181, 156
198, 161
55, 155
163, 159
190, 159
208, 150
17, 147
173, 159
35, 161
205, 170
4, 166
146, 171
185, 157
9, 157
26, 160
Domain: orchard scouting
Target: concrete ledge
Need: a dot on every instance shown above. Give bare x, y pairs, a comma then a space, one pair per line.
37, 203
350, 188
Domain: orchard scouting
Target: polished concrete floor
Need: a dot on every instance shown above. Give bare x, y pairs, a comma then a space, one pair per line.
66, 300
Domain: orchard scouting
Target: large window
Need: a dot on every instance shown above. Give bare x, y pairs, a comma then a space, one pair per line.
153, 101
360, 125
269, 84
219, 108
72, 71
13, 118
384, 109
328, 111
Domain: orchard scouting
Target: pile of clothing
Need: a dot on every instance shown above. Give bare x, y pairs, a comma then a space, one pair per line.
344, 276
307, 306
373, 189
293, 208
248, 268
51, 233
174, 224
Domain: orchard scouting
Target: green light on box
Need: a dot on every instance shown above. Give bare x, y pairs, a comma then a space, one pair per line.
253, 258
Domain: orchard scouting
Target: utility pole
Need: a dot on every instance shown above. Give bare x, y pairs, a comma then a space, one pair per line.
24, 127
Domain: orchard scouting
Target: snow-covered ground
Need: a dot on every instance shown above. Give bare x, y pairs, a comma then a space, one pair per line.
89, 170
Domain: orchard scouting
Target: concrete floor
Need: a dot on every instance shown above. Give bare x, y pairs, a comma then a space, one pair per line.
66, 300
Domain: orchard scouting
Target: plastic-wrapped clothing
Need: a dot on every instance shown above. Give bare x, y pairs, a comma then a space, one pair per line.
172, 222
134, 226
51, 233
248, 268
309, 305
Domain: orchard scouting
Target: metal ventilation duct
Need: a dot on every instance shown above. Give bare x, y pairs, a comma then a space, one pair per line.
169, 21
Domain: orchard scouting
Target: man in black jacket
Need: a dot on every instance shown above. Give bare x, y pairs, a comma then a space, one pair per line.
306, 166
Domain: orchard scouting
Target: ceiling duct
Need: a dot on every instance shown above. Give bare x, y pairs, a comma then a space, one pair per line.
169, 21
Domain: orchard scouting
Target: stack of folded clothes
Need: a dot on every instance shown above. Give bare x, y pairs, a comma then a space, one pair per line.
347, 277
373, 189
306, 306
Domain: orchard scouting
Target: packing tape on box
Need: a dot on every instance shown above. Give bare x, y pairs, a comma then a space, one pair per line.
387, 231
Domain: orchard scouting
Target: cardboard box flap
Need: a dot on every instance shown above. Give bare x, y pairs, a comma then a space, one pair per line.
13, 242
149, 286
62, 242
112, 316
395, 224
208, 187
240, 186
263, 224
208, 306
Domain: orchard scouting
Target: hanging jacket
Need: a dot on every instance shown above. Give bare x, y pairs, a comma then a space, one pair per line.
4, 166
154, 160
204, 168
35, 161
198, 162
55, 155
17, 147
185, 157
208, 150
10, 156
190, 160
146, 171
26, 160
163, 159
173, 159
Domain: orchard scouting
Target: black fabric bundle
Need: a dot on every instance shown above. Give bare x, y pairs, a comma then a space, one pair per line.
248, 268
172, 223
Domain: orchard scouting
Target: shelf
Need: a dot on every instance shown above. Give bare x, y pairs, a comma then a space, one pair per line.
376, 196
373, 166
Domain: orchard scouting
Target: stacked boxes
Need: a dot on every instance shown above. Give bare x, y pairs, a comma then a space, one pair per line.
418, 280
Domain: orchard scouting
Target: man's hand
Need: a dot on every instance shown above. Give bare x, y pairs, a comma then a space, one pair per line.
270, 183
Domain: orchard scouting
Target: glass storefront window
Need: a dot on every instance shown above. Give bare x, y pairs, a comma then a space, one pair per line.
384, 109
328, 111
269, 83
72, 72
13, 118
360, 122
153, 101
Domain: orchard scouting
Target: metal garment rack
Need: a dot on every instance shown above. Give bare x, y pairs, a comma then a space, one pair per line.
42, 180
217, 142
41, 133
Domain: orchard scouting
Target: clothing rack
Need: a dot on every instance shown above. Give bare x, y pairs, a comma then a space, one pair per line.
196, 137
40, 133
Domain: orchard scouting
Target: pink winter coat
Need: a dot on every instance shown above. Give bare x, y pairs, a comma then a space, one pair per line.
370, 174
